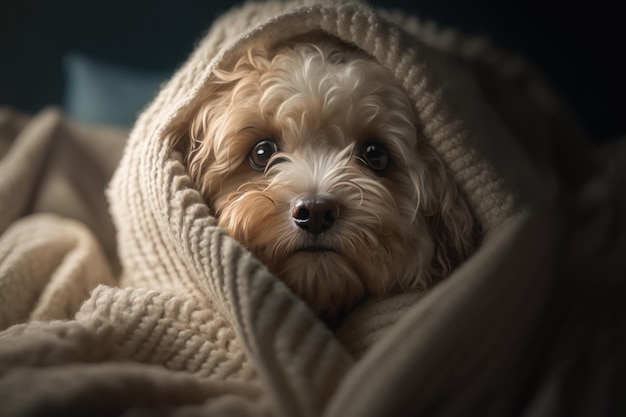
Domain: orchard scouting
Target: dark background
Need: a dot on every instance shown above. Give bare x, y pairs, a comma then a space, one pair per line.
576, 45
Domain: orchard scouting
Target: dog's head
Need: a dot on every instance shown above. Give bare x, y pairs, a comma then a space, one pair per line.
309, 156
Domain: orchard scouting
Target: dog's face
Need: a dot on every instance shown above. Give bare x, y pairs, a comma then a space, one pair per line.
310, 157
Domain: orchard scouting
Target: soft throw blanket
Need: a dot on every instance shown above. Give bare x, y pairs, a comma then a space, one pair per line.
166, 315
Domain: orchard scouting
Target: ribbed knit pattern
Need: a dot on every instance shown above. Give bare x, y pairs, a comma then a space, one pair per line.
23, 162
165, 230
53, 265
168, 236
196, 325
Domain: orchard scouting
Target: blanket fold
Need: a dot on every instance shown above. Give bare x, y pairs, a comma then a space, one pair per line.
64, 264
154, 310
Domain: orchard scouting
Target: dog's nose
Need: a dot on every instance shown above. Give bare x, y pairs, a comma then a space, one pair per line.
315, 214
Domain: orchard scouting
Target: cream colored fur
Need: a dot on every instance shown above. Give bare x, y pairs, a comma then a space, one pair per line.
322, 104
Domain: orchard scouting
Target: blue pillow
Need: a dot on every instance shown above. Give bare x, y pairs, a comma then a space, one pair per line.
102, 92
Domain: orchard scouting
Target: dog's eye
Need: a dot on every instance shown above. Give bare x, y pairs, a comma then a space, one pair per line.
375, 156
261, 154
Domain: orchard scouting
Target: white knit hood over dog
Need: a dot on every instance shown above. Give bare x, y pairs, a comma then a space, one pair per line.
486, 114
156, 208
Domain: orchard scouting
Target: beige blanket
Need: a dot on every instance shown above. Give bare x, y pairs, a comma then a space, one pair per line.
155, 311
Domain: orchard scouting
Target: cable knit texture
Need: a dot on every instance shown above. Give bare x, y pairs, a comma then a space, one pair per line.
155, 310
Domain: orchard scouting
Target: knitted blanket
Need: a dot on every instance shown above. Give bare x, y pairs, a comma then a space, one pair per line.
154, 310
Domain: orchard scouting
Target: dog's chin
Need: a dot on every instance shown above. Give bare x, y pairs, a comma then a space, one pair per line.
323, 278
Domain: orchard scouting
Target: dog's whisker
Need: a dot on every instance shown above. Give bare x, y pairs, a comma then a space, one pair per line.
271, 200
359, 188
360, 159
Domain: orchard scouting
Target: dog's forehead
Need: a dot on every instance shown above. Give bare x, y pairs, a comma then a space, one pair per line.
332, 98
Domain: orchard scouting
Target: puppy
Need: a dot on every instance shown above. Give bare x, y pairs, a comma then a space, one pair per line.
309, 155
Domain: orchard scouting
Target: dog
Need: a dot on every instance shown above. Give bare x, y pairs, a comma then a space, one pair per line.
309, 154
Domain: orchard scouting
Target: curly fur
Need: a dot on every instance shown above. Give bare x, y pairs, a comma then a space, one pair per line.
399, 229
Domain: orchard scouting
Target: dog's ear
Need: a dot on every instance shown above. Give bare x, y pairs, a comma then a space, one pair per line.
450, 220
201, 134
188, 137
